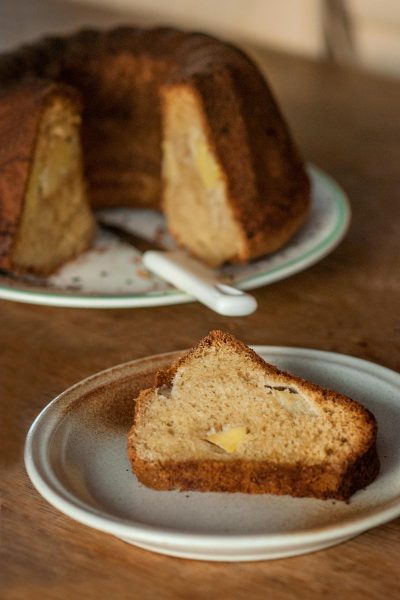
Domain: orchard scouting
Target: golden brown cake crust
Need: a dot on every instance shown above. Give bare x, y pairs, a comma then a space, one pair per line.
251, 477
21, 107
319, 481
122, 72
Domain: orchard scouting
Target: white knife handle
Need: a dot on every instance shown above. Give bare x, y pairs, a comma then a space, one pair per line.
200, 282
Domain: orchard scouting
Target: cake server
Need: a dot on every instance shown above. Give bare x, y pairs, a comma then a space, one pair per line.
188, 274
191, 276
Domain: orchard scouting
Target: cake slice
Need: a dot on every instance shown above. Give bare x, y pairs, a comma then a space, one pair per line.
45, 218
223, 420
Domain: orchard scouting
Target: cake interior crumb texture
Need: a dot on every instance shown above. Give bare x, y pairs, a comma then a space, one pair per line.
196, 201
56, 221
282, 434
221, 390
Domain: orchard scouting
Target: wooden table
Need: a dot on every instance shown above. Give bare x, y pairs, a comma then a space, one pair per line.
345, 122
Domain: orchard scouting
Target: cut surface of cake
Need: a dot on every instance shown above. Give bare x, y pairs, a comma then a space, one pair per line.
221, 419
179, 122
45, 217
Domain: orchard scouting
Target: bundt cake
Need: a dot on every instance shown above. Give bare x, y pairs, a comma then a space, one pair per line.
223, 420
176, 121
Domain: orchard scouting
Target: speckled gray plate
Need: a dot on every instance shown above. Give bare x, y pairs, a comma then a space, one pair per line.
112, 274
76, 457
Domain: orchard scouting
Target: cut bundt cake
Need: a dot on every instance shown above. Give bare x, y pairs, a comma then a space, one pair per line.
180, 122
45, 218
223, 420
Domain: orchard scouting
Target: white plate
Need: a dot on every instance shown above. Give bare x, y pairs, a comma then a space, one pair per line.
112, 275
76, 457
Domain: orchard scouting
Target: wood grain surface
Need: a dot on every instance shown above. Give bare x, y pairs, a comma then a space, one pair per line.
346, 122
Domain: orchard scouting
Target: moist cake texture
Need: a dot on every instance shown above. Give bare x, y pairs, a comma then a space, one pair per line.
179, 122
221, 419
45, 217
